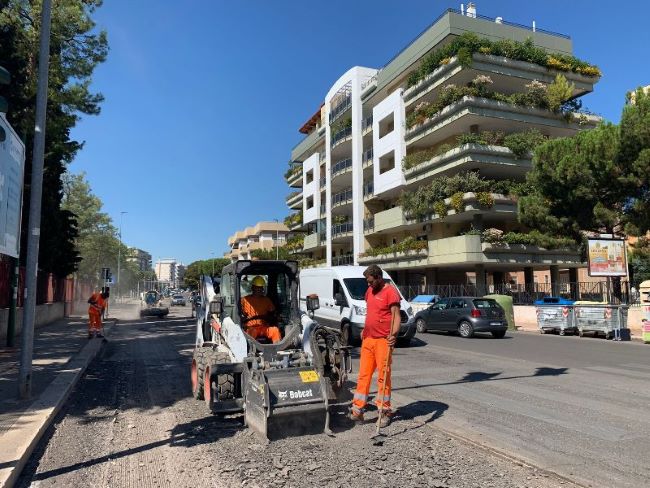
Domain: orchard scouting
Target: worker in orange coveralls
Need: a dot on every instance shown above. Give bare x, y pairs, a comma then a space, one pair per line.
259, 313
97, 305
379, 333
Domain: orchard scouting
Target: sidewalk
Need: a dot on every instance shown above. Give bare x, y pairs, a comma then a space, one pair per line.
62, 351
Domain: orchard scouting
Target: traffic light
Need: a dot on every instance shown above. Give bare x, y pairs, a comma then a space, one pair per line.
106, 274
5, 78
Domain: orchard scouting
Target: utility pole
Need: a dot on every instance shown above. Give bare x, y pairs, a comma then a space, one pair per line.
34, 227
119, 256
212, 259
277, 240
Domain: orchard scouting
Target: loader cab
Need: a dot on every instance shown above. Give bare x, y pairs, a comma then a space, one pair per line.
281, 288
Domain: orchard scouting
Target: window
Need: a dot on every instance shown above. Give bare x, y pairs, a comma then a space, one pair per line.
457, 303
309, 177
485, 303
387, 162
310, 202
440, 304
337, 289
386, 125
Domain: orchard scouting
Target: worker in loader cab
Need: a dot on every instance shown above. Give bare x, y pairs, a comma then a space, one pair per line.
96, 306
258, 313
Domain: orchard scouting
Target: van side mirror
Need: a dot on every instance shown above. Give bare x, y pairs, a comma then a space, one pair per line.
216, 306
339, 300
312, 303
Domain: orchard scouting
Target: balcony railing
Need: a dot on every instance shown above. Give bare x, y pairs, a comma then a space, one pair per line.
366, 124
344, 260
322, 182
341, 166
369, 224
366, 159
342, 197
368, 189
323, 210
339, 229
341, 135
341, 107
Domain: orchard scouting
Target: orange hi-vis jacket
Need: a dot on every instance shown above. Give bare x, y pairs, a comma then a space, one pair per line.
252, 306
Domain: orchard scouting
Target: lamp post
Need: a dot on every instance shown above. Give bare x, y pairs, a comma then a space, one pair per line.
212, 259
277, 240
119, 256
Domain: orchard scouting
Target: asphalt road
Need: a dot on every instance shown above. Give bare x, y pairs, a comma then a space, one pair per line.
572, 406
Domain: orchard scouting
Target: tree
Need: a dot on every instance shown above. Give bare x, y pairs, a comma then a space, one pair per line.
203, 267
75, 51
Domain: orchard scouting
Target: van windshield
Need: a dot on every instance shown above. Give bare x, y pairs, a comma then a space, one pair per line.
357, 287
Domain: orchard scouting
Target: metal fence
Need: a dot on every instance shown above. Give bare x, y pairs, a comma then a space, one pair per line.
601, 291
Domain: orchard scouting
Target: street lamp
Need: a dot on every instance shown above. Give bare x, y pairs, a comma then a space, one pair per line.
119, 256
212, 259
277, 240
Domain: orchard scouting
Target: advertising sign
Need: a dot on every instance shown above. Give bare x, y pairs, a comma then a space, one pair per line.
607, 257
12, 169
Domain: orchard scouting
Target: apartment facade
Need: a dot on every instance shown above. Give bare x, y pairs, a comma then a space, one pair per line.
351, 175
166, 271
141, 258
263, 235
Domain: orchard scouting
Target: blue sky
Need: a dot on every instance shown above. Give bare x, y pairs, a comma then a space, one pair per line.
204, 98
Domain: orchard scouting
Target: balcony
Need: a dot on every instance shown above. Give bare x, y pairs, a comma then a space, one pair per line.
390, 219
366, 125
341, 167
342, 198
415, 257
323, 210
340, 108
294, 177
366, 159
341, 136
322, 182
492, 161
302, 148
368, 225
294, 200
345, 260
368, 190
458, 118
342, 230
322, 157
311, 242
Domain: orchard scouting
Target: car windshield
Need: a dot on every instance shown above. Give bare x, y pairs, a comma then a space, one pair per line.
486, 303
178, 296
357, 287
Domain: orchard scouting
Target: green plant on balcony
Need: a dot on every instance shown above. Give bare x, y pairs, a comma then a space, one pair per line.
340, 125
457, 202
537, 95
293, 171
532, 238
310, 262
465, 45
295, 243
485, 199
404, 246
293, 219
440, 209
292, 195
340, 219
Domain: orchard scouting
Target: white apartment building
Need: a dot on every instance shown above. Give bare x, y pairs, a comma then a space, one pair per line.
140, 257
349, 174
166, 271
263, 235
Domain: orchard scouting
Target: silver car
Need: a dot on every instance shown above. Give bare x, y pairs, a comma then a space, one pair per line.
178, 300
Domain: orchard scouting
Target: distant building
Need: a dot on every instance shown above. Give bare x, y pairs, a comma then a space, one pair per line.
180, 273
264, 235
166, 271
140, 257
632, 94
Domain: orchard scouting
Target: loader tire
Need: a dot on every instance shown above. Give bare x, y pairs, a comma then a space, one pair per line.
198, 372
225, 382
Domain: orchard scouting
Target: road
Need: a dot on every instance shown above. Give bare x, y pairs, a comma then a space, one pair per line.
572, 406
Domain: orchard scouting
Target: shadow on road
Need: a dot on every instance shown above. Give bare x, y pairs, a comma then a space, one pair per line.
476, 376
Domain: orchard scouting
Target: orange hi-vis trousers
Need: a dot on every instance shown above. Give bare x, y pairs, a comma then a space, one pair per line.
94, 320
373, 358
273, 333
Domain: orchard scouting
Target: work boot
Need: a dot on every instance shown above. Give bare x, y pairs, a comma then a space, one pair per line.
386, 419
357, 417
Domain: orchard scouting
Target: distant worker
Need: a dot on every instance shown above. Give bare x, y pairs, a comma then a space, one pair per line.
258, 311
97, 305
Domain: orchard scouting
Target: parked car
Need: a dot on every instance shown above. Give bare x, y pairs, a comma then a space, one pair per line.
178, 299
463, 315
341, 292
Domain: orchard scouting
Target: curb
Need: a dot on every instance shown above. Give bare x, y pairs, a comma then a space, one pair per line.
18, 444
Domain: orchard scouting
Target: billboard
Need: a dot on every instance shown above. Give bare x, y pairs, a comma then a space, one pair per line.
607, 257
12, 169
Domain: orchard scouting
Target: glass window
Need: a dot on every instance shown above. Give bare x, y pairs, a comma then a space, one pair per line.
440, 304
357, 287
486, 303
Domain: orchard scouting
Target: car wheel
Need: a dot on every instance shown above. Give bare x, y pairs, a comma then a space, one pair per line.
499, 334
465, 329
421, 326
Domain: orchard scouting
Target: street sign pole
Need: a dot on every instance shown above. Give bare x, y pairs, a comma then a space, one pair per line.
34, 227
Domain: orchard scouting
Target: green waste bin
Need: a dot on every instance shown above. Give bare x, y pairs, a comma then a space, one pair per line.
506, 304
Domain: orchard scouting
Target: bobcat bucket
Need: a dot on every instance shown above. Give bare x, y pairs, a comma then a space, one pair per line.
285, 402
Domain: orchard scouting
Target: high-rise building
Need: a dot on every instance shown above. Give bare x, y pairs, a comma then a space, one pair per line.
140, 257
166, 271
372, 173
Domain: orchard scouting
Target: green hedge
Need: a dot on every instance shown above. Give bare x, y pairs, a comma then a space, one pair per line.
408, 244
465, 45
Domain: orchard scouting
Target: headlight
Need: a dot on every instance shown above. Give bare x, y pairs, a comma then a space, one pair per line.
409, 311
359, 310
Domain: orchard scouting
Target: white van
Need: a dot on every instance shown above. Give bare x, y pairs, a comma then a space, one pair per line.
341, 292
